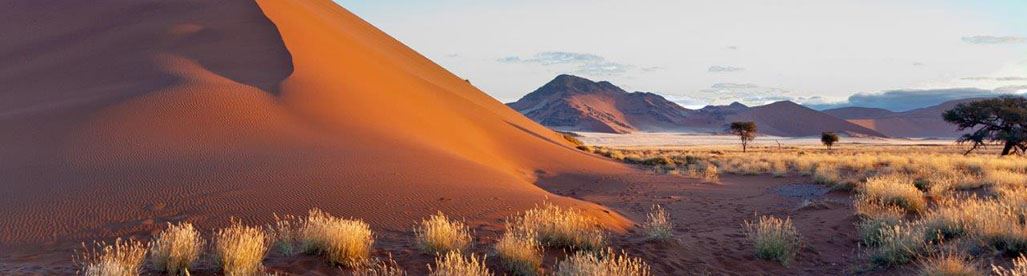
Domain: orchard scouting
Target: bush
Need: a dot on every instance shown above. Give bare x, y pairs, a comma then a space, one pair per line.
606, 263
176, 248
439, 234
455, 264
559, 227
341, 241
774, 239
122, 258
520, 251
657, 225
240, 249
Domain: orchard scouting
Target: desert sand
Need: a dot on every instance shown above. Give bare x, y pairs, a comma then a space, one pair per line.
125, 115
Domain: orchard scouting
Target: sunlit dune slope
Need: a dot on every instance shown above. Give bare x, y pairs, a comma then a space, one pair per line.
124, 114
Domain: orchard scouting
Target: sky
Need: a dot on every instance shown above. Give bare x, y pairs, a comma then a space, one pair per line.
893, 54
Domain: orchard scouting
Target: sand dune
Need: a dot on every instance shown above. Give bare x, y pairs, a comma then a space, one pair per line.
125, 114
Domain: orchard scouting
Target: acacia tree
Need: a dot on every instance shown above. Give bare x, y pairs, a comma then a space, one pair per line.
746, 131
1001, 119
828, 138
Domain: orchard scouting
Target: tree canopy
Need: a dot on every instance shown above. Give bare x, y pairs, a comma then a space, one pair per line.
828, 138
1002, 119
746, 131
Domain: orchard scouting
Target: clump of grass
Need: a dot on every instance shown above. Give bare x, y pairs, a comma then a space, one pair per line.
710, 174
899, 244
121, 258
439, 234
176, 248
774, 238
657, 224
387, 267
520, 251
341, 241
240, 249
949, 265
455, 264
606, 263
285, 233
826, 174
896, 190
876, 218
560, 227
946, 221
1019, 268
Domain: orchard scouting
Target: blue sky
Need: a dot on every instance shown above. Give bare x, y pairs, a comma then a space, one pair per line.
818, 52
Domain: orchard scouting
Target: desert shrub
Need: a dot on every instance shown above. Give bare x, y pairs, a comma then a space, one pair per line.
439, 234
774, 238
520, 251
876, 218
562, 227
949, 265
341, 241
1019, 268
455, 264
896, 190
240, 249
946, 221
826, 174
121, 258
606, 263
175, 249
657, 224
899, 244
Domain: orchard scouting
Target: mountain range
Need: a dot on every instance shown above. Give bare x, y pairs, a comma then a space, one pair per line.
571, 103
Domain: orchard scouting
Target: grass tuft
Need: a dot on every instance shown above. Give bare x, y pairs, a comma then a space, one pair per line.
240, 249
121, 258
657, 226
455, 264
560, 227
949, 265
341, 241
606, 263
439, 234
176, 248
520, 251
774, 238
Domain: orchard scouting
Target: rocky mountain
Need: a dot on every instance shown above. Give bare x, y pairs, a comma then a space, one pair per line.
571, 103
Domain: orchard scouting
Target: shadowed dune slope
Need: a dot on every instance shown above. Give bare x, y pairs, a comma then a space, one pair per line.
124, 114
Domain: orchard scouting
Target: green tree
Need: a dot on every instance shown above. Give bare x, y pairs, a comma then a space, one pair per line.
828, 138
746, 131
1001, 119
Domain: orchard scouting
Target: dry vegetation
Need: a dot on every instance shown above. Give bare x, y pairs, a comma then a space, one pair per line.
555, 226
439, 234
341, 241
657, 225
949, 265
176, 248
607, 263
240, 249
456, 264
520, 251
774, 238
121, 258
911, 200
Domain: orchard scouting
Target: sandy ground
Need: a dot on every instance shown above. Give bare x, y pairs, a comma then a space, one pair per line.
673, 140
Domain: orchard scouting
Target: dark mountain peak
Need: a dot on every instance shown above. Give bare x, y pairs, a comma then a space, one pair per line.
785, 103
575, 84
737, 105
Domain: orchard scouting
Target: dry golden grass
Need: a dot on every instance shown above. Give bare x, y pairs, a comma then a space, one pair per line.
341, 241
949, 265
657, 225
1019, 268
876, 218
774, 238
520, 251
387, 267
606, 263
562, 227
240, 249
176, 248
454, 263
439, 234
121, 258
899, 244
894, 189
285, 234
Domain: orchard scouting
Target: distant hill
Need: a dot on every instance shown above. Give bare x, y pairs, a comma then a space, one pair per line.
918, 123
578, 104
573, 103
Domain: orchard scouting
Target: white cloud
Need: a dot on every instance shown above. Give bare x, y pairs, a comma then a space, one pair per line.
585, 64
723, 69
990, 39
